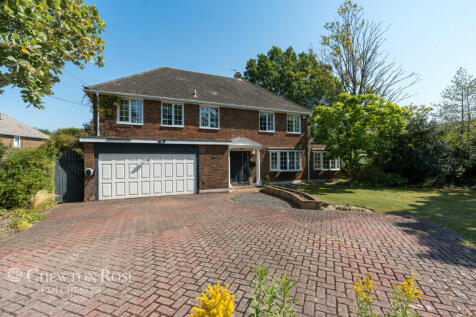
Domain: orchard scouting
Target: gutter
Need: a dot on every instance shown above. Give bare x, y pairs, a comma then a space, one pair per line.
194, 101
86, 139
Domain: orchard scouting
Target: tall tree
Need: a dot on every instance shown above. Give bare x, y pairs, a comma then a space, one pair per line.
37, 37
354, 49
359, 129
459, 103
301, 78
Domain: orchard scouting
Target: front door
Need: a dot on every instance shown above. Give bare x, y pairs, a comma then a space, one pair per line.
239, 167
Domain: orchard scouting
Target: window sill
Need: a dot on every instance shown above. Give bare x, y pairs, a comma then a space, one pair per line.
327, 169
129, 123
266, 131
171, 126
295, 133
208, 128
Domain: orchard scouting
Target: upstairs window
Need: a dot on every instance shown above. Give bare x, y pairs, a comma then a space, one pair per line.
322, 162
130, 112
293, 123
266, 122
172, 115
16, 141
209, 118
285, 161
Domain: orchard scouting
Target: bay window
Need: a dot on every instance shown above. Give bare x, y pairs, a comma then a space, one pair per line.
323, 162
285, 161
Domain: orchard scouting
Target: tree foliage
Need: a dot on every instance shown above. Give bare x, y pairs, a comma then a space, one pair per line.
359, 129
459, 104
298, 77
353, 47
37, 38
67, 139
422, 153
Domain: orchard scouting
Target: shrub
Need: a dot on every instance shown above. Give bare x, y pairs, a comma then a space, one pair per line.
23, 218
218, 302
376, 176
23, 173
271, 296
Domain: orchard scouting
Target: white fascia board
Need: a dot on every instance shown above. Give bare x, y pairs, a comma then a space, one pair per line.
151, 141
200, 102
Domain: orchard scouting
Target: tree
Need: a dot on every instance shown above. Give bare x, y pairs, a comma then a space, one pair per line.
422, 153
37, 38
459, 103
298, 77
67, 139
354, 49
359, 129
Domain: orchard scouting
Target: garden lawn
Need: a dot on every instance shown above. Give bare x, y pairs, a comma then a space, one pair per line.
454, 209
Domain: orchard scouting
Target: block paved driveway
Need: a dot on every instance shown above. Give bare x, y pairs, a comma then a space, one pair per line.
153, 256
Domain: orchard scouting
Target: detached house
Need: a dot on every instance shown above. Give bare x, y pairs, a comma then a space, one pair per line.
178, 132
16, 134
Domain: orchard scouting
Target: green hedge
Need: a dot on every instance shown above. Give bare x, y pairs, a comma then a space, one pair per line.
23, 173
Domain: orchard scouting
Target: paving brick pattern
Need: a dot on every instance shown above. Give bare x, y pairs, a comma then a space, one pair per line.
172, 247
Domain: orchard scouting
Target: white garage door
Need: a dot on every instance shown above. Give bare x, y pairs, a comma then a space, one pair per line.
142, 175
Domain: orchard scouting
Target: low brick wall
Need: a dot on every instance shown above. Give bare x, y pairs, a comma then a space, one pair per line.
303, 200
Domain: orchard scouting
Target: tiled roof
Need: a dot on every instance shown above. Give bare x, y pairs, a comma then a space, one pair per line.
185, 85
10, 126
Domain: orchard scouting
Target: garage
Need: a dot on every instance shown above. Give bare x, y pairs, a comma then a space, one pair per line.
144, 175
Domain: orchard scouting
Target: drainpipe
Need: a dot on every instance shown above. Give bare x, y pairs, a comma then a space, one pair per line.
308, 137
97, 113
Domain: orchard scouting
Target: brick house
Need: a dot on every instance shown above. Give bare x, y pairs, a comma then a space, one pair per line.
179, 132
16, 134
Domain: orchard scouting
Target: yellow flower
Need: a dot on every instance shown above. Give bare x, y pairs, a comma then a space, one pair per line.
219, 302
363, 288
409, 290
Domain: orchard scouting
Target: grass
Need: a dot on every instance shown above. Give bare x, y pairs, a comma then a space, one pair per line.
452, 208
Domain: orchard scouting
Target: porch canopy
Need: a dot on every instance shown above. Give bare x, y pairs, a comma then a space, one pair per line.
242, 143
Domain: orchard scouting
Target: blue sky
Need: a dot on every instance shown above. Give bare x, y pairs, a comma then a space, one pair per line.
430, 37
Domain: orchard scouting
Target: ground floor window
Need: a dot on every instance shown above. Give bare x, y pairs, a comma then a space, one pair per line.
323, 162
16, 141
285, 161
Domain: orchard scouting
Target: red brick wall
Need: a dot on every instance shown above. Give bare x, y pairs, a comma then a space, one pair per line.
212, 167
233, 123
24, 141
89, 163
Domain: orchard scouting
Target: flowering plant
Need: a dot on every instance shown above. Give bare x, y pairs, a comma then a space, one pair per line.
363, 290
403, 297
219, 302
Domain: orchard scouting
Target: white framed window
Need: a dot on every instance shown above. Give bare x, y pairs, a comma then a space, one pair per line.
209, 117
130, 112
293, 123
16, 141
266, 122
172, 115
285, 161
322, 162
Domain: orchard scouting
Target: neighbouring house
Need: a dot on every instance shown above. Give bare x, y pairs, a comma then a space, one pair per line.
180, 132
16, 134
